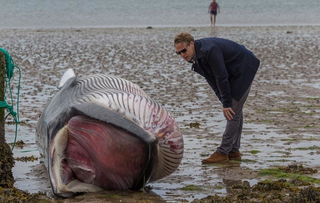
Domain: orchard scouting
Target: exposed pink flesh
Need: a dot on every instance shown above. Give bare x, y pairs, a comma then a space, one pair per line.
102, 154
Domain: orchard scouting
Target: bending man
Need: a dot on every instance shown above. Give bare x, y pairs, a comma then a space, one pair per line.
229, 68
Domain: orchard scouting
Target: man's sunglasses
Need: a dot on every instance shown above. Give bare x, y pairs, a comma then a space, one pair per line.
181, 51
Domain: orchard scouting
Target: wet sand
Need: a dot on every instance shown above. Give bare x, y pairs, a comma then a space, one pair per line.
281, 115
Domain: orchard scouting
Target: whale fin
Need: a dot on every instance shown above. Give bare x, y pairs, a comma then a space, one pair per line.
66, 76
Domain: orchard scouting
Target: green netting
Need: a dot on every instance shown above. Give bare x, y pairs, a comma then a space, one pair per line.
9, 63
8, 104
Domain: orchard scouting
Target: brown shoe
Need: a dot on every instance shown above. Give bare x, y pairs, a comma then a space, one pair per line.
216, 157
235, 156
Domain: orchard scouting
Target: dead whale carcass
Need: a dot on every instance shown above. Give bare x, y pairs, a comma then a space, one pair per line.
102, 132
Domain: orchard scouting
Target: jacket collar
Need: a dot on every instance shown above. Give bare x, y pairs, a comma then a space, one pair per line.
199, 52
198, 55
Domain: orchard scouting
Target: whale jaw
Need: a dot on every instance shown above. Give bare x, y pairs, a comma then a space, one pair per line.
88, 155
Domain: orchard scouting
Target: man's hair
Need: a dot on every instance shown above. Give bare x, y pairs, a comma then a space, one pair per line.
183, 37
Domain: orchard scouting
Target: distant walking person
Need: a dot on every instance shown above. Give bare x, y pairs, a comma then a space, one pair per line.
213, 10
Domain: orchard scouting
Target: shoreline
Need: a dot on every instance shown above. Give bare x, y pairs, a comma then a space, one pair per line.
95, 28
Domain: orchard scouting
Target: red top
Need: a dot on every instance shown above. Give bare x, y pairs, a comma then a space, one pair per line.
213, 6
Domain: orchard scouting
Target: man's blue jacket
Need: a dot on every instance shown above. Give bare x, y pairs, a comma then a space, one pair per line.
228, 67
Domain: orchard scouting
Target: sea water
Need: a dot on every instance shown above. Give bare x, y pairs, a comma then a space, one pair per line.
157, 13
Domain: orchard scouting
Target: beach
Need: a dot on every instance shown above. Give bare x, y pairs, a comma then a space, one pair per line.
281, 114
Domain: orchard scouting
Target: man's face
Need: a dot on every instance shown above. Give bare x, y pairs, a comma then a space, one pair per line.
186, 50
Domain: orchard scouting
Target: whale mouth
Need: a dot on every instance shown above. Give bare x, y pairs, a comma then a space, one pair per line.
89, 155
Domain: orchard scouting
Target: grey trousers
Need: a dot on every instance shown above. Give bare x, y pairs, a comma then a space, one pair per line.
232, 134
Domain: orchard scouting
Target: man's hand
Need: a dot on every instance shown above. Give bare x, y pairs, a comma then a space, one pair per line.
228, 113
